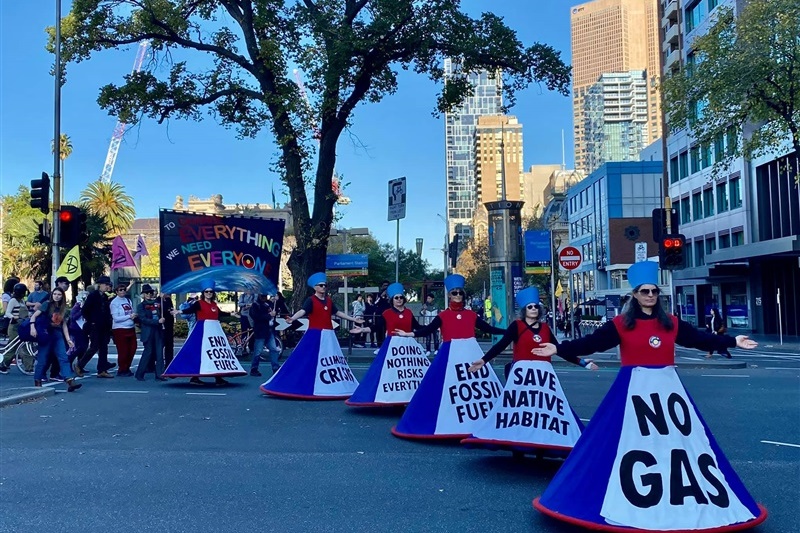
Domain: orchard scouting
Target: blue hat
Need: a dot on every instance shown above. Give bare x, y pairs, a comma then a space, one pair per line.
454, 281
207, 283
643, 273
528, 296
395, 289
316, 279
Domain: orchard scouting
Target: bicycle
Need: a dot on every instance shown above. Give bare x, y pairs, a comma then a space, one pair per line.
239, 342
24, 355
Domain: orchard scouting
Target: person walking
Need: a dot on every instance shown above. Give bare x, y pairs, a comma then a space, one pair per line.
152, 322
53, 337
370, 318
630, 431
577, 318
97, 313
169, 328
262, 315
123, 329
75, 326
359, 308
716, 326
382, 303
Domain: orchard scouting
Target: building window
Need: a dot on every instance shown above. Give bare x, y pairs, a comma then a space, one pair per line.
695, 159
724, 241
708, 203
719, 148
697, 206
735, 193
722, 198
712, 4
705, 156
683, 162
711, 245
731, 141
699, 254
686, 214
737, 238
673, 170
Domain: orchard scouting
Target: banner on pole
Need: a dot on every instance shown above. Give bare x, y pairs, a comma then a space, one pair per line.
71, 266
120, 255
239, 253
538, 255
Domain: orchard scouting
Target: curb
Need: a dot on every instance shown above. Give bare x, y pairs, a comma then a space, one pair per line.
28, 393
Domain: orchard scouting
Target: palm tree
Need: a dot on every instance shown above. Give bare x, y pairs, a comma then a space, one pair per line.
64, 152
112, 203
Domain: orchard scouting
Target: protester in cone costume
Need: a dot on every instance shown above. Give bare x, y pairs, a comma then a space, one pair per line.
428, 415
396, 372
517, 423
647, 461
204, 308
316, 369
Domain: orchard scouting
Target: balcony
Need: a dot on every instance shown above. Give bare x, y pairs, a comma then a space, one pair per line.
670, 12
673, 35
672, 60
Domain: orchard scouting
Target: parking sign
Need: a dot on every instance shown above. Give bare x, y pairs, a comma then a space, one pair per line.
397, 199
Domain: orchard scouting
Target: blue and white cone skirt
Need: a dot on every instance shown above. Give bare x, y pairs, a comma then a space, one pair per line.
532, 414
394, 375
206, 353
647, 461
316, 370
450, 401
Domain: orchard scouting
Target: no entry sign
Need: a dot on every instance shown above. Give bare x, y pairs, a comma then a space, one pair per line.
570, 258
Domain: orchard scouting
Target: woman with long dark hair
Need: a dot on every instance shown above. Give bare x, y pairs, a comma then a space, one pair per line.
52, 341
647, 432
716, 326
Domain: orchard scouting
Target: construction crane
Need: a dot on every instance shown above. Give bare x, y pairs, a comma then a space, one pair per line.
119, 129
336, 185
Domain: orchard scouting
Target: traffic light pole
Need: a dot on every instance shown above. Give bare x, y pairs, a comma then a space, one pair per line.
56, 240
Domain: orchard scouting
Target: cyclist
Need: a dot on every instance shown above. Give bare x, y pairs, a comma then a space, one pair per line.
16, 312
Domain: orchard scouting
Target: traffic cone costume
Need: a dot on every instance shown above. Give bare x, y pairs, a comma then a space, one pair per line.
450, 401
401, 363
317, 368
533, 414
647, 461
206, 353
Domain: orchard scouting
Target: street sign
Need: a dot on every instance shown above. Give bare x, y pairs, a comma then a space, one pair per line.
570, 258
397, 199
641, 252
347, 265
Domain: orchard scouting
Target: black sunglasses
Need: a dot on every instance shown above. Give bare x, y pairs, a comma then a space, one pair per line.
648, 292
210, 291
457, 293
322, 285
530, 306
399, 297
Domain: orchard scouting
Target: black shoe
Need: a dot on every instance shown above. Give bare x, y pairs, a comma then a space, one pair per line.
139, 378
125, 374
72, 386
110, 366
197, 381
57, 379
161, 378
255, 373
373, 345
3, 369
220, 381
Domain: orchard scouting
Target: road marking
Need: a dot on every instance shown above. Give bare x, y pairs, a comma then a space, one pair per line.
128, 391
780, 443
584, 420
725, 375
782, 368
206, 394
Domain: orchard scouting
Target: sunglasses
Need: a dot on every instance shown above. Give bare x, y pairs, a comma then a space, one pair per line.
530, 306
648, 292
399, 297
322, 285
123, 290
208, 292
457, 293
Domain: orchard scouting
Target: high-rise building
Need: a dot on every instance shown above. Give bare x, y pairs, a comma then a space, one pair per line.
615, 119
534, 184
460, 127
489, 171
613, 36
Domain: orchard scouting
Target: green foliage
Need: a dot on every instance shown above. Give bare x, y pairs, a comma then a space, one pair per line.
110, 202
744, 83
350, 52
23, 255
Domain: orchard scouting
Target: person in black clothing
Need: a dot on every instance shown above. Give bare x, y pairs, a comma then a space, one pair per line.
716, 325
262, 315
281, 309
97, 313
370, 316
576, 323
169, 328
382, 303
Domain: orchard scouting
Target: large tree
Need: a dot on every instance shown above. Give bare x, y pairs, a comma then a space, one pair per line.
110, 202
349, 50
744, 82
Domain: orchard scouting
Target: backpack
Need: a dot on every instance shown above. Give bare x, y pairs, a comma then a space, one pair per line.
42, 331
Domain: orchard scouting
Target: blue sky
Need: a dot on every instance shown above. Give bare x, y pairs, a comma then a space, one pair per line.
156, 163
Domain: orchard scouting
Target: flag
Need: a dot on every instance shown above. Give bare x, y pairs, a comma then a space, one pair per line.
141, 248
71, 266
120, 255
559, 290
274, 202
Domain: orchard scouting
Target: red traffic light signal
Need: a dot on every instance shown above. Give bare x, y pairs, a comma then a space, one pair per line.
65, 216
670, 252
69, 226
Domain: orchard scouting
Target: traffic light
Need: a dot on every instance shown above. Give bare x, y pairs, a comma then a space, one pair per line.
453, 251
40, 193
671, 252
69, 220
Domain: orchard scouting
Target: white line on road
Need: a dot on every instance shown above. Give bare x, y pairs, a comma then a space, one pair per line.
780, 443
725, 375
206, 394
128, 391
782, 368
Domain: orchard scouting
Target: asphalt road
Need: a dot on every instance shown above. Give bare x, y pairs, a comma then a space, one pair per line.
122, 456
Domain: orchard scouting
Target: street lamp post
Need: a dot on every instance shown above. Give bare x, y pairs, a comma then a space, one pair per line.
445, 252
345, 250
